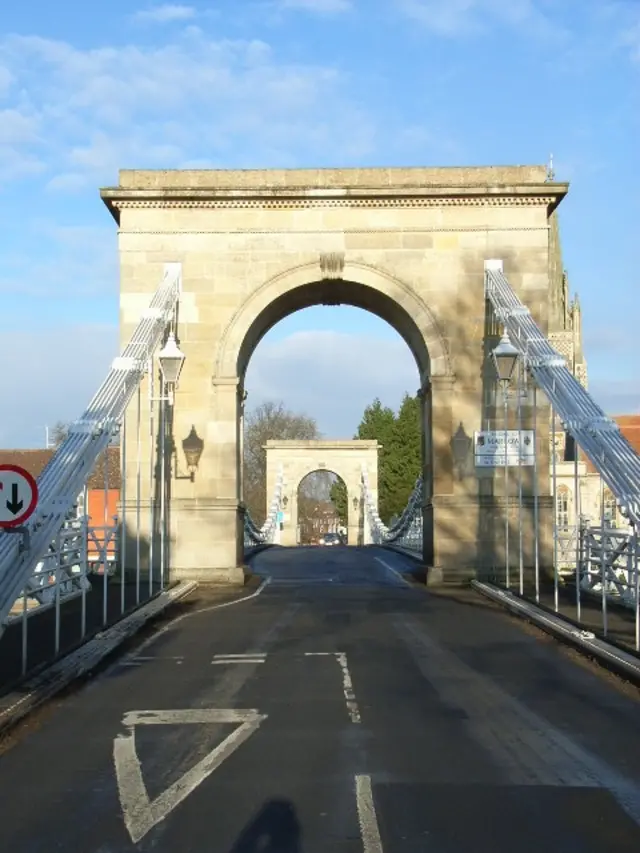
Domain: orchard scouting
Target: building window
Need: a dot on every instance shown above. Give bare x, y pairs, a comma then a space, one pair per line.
563, 500
609, 509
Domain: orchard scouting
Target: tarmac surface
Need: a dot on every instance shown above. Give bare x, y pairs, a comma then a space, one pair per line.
338, 708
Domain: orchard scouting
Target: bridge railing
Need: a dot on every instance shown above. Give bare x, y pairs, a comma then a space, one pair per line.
267, 534
601, 565
407, 532
51, 562
80, 558
596, 560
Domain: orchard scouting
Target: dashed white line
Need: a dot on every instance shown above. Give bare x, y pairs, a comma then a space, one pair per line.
171, 624
391, 569
347, 688
249, 657
347, 684
371, 841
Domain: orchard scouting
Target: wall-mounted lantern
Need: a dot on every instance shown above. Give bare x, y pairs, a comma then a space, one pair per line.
192, 447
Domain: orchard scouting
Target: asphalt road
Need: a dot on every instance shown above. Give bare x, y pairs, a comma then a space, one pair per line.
338, 710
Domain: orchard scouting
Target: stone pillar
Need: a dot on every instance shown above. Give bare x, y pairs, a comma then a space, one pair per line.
207, 517
353, 515
289, 533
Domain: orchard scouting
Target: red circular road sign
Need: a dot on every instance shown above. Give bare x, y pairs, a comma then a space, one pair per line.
18, 495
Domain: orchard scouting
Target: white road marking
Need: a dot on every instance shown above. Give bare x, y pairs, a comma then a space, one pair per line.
244, 655
391, 569
347, 684
248, 657
189, 716
140, 813
371, 842
347, 688
165, 628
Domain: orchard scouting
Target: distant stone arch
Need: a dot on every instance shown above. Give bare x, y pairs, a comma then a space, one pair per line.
346, 459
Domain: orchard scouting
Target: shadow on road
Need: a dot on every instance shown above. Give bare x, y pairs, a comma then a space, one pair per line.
275, 829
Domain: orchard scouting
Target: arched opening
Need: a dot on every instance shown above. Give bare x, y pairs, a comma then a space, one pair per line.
335, 297
361, 287
321, 516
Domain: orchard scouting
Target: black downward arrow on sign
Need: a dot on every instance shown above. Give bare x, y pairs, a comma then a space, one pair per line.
14, 505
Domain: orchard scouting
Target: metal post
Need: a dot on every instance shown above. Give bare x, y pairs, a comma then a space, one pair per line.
635, 552
123, 510
138, 484
163, 483
536, 528
506, 486
521, 556
85, 560
105, 546
577, 503
57, 575
555, 510
152, 496
25, 629
603, 567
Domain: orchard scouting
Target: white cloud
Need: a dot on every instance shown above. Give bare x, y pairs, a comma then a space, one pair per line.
455, 18
329, 375
166, 14
70, 260
322, 7
60, 369
232, 103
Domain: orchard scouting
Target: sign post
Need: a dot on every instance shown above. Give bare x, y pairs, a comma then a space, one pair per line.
18, 496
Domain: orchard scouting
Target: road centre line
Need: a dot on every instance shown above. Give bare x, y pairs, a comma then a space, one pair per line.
347, 683
367, 818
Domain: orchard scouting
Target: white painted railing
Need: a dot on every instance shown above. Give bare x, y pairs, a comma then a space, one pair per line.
407, 532
265, 535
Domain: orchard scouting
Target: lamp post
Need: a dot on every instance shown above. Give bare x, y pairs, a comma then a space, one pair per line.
505, 356
171, 361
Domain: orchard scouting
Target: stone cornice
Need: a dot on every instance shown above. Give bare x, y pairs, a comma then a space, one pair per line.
476, 195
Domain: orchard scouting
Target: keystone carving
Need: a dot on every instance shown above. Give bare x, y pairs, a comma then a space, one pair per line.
332, 264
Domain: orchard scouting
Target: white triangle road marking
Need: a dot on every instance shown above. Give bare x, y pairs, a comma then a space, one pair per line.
139, 811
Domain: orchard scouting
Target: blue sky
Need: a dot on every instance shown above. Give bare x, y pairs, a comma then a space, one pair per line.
87, 88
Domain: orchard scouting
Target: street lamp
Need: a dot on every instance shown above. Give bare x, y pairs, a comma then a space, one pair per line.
171, 359
504, 357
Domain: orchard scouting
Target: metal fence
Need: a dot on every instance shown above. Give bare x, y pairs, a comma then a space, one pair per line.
63, 575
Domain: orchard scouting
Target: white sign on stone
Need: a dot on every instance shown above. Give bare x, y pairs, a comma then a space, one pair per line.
489, 448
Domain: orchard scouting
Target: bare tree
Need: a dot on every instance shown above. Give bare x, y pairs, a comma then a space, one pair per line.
59, 432
269, 421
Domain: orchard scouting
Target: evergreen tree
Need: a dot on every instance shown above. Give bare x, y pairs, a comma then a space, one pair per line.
400, 459
378, 424
407, 451
339, 500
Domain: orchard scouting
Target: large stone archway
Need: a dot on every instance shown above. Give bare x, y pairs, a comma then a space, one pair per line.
346, 459
406, 244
